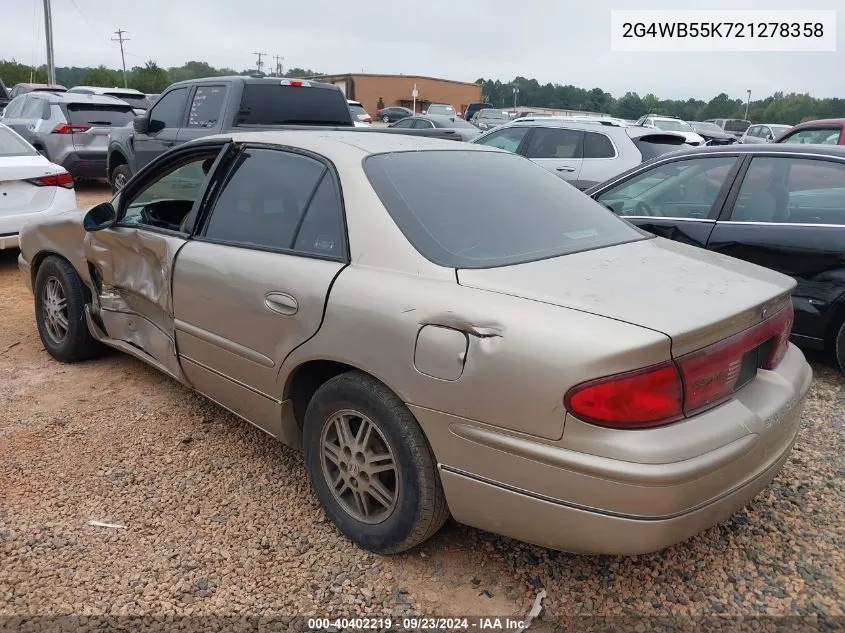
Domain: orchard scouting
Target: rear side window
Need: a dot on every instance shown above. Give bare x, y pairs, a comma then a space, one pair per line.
816, 136
116, 115
478, 209
598, 146
549, 142
13, 145
274, 104
206, 106
33, 108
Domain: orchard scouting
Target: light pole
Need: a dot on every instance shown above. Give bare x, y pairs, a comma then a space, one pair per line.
747, 103
515, 93
48, 32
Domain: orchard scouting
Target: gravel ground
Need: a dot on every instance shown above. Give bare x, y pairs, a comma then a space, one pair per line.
219, 520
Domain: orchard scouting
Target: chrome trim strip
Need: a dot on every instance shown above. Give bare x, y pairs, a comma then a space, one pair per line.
223, 343
781, 223
661, 217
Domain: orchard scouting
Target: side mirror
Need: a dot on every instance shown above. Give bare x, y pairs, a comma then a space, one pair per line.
99, 217
141, 124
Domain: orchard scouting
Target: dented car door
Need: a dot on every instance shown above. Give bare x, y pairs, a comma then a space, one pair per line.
131, 263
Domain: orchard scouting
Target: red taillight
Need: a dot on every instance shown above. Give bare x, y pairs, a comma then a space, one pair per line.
64, 128
668, 392
639, 399
368, 119
62, 179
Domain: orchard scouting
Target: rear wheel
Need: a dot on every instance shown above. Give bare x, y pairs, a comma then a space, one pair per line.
120, 176
370, 465
839, 348
60, 312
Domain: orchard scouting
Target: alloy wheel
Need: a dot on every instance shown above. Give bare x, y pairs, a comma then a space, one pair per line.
54, 309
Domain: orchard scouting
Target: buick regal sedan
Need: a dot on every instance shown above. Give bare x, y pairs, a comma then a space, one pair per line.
441, 328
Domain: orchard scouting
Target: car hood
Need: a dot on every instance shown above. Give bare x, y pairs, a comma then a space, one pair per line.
694, 296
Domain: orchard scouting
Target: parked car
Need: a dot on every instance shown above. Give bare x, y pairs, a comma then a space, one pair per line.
736, 127
440, 327
153, 98
358, 112
31, 187
472, 108
440, 109
763, 133
489, 118
672, 124
820, 132
712, 133
584, 153
137, 99
530, 113
465, 131
69, 129
20, 89
4, 97
779, 206
393, 114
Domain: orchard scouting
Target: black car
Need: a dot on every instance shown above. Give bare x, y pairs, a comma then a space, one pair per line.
712, 133
466, 131
393, 114
472, 108
779, 206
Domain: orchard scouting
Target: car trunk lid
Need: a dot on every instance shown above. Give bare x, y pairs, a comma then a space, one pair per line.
91, 124
694, 296
17, 194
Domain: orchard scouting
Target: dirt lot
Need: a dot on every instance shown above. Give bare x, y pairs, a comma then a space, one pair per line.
219, 520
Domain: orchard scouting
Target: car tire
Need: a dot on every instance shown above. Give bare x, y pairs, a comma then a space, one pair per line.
385, 118
839, 348
119, 177
60, 312
409, 505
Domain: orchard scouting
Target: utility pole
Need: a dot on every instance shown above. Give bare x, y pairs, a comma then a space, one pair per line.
279, 61
260, 63
515, 93
48, 31
122, 39
747, 103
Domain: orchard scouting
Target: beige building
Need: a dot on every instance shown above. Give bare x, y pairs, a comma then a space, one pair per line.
381, 91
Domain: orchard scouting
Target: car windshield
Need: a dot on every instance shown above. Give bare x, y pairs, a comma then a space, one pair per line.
481, 209
13, 145
736, 125
493, 114
136, 101
441, 109
780, 129
708, 127
672, 125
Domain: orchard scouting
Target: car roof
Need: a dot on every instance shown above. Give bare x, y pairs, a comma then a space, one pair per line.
819, 122
102, 90
550, 121
79, 97
837, 151
248, 79
333, 142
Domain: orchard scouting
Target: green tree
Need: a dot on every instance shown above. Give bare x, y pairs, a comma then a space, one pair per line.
102, 76
12, 72
150, 78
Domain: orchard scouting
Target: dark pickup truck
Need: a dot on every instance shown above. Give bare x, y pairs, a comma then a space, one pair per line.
201, 107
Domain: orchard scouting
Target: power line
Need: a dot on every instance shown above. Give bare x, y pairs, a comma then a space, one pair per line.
260, 63
121, 39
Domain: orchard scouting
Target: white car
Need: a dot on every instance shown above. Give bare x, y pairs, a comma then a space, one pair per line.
31, 187
672, 124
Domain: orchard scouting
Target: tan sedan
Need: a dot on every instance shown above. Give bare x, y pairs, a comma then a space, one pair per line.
441, 328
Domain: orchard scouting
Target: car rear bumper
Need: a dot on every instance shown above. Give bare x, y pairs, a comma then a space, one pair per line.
82, 165
9, 240
550, 495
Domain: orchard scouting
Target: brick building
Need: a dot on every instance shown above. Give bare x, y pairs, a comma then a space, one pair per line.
397, 90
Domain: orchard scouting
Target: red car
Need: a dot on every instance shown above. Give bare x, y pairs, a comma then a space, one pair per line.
821, 132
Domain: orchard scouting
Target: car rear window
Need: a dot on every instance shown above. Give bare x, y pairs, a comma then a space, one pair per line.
357, 110
116, 115
736, 125
13, 145
479, 209
136, 101
274, 104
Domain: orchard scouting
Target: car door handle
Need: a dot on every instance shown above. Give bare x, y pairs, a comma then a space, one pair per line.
565, 168
281, 302
167, 143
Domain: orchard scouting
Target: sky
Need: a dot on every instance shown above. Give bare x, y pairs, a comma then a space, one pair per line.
558, 41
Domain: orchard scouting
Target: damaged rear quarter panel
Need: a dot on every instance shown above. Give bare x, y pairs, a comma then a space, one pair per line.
60, 235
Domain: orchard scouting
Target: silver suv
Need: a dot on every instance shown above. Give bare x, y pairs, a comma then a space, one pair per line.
71, 130
585, 152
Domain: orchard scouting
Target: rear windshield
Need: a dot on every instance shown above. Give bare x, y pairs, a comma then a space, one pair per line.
358, 110
273, 104
653, 146
477, 209
136, 101
736, 125
116, 115
13, 145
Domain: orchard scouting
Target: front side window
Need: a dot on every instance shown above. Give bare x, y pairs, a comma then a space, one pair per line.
269, 200
33, 108
814, 136
170, 108
508, 138
549, 142
477, 209
792, 190
423, 124
682, 189
166, 201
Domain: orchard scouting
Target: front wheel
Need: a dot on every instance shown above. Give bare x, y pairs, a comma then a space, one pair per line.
120, 176
839, 348
371, 466
60, 312
385, 118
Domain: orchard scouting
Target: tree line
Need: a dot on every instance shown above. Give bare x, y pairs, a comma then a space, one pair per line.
149, 78
777, 108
